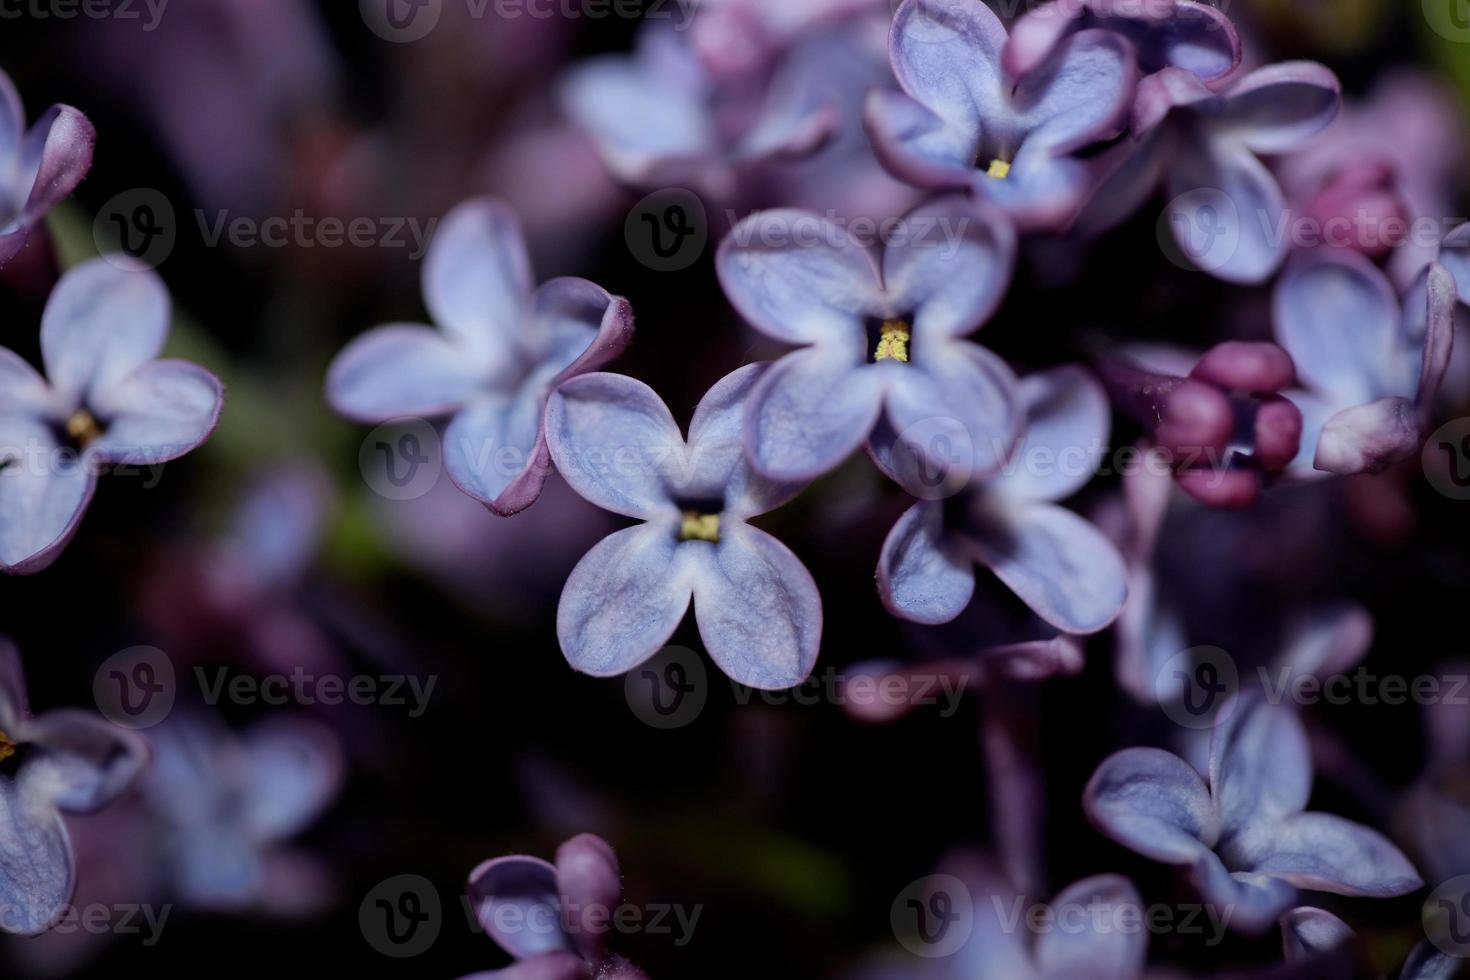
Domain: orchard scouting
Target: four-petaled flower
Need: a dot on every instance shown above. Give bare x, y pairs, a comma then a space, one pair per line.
105, 400
499, 350
888, 338
41, 165
756, 604
65, 761
1241, 832
962, 123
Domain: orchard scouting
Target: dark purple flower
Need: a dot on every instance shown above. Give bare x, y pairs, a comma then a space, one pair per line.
499, 349
961, 123
1370, 371
553, 919
757, 607
1227, 213
43, 164
1061, 566
1195, 37
882, 340
65, 761
1242, 833
105, 400
1223, 426
226, 804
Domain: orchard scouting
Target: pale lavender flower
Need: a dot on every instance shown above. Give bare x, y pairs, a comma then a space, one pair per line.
1370, 370
1241, 833
553, 918
757, 607
65, 761
1227, 214
499, 349
1061, 566
883, 339
106, 400
41, 165
962, 123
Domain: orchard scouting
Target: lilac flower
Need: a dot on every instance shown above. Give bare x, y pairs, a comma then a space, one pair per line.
1308, 933
738, 38
960, 122
226, 804
1227, 213
65, 761
1195, 37
1222, 426
1056, 562
882, 339
757, 607
105, 400
1242, 834
1432, 816
42, 165
499, 350
1370, 372
553, 919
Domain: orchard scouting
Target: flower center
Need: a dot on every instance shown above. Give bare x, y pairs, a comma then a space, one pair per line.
697, 526
7, 747
893, 342
999, 169
82, 427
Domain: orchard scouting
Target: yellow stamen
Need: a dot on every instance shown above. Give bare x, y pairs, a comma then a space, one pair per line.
7, 747
893, 342
999, 169
83, 427
700, 527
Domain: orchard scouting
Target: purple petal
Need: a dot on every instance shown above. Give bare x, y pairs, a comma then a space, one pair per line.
590, 887
578, 327
623, 600
1082, 96
799, 116
1248, 242
495, 452
104, 320
294, 769
58, 152
1061, 566
1044, 192
1105, 949
1454, 255
1199, 38
955, 399
1328, 641
1425, 962
22, 389
401, 370
947, 56
516, 900
1130, 174
12, 117
1068, 422
477, 277
1153, 802
918, 146
1277, 108
1260, 766
1322, 852
953, 285
615, 442
158, 413
37, 873
757, 606
559, 965
13, 705
717, 464
1036, 34
87, 762
1368, 438
810, 411
799, 277
1307, 931
1437, 331
1169, 90
923, 576
42, 496
1254, 902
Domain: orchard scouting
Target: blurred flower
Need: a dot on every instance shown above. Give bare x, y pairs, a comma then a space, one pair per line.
1061, 566
109, 401
960, 124
1226, 211
65, 761
737, 38
553, 919
1242, 835
1433, 815
1308, 932
225, 805
499, 350
42, 165
1224, 428
1371, 372
881, 340
757, 607
1195, 37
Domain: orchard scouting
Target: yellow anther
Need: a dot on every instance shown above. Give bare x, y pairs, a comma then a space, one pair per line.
999, 169
83, 427
893, 342
700, 527
7, 747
